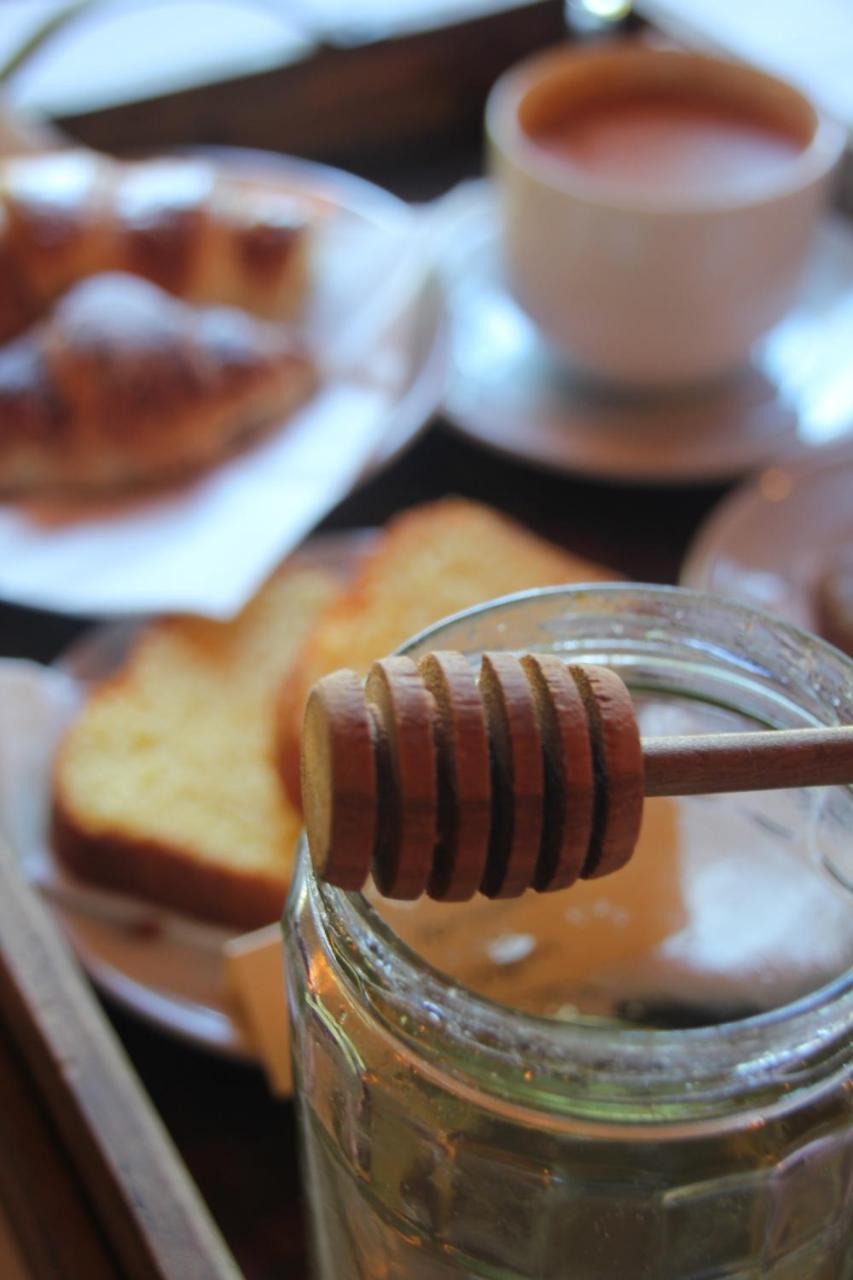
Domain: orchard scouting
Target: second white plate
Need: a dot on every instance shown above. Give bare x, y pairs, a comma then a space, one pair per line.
767, 543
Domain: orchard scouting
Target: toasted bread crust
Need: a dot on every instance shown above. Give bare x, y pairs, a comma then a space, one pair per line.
164, 786
178, 879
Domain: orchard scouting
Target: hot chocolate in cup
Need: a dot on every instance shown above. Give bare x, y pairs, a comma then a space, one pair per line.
657, 207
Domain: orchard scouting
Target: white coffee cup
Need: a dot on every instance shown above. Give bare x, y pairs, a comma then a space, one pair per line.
646, 287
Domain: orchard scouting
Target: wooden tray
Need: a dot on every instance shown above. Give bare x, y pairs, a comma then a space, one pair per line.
90, 1183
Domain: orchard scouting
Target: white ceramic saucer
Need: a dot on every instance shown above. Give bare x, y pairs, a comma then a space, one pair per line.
767, 543
508, 392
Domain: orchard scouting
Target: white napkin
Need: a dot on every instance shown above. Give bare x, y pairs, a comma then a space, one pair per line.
204, 548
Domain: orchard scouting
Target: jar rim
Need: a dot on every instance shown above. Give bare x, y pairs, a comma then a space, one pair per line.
576, 1061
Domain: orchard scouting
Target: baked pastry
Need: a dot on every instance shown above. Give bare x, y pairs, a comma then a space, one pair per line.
429, 562
123, 385
198, 233
107, 381
165, 786
834, 601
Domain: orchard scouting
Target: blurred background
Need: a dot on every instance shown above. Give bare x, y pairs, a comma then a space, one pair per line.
394, 90
377, 84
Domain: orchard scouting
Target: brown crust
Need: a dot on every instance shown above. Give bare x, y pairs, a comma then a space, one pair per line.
163, 875
266, 248
16, 309
464, 777
160, 249
181, 223
569, 777
518, 776
97, 397
126, 387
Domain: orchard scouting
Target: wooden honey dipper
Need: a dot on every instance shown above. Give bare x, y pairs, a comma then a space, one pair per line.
530, 776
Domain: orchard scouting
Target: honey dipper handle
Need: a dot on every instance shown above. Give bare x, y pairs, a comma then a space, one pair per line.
709, 763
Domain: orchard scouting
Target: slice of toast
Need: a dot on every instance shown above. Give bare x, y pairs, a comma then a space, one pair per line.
429, 562
165, 786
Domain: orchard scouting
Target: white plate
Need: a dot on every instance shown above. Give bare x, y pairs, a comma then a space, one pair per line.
506, 390
164, 968
376, 323
767, 542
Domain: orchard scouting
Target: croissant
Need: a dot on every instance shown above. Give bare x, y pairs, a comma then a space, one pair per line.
198, 233
123, 385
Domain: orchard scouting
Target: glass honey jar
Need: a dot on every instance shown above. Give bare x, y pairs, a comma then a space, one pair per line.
643, 1077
